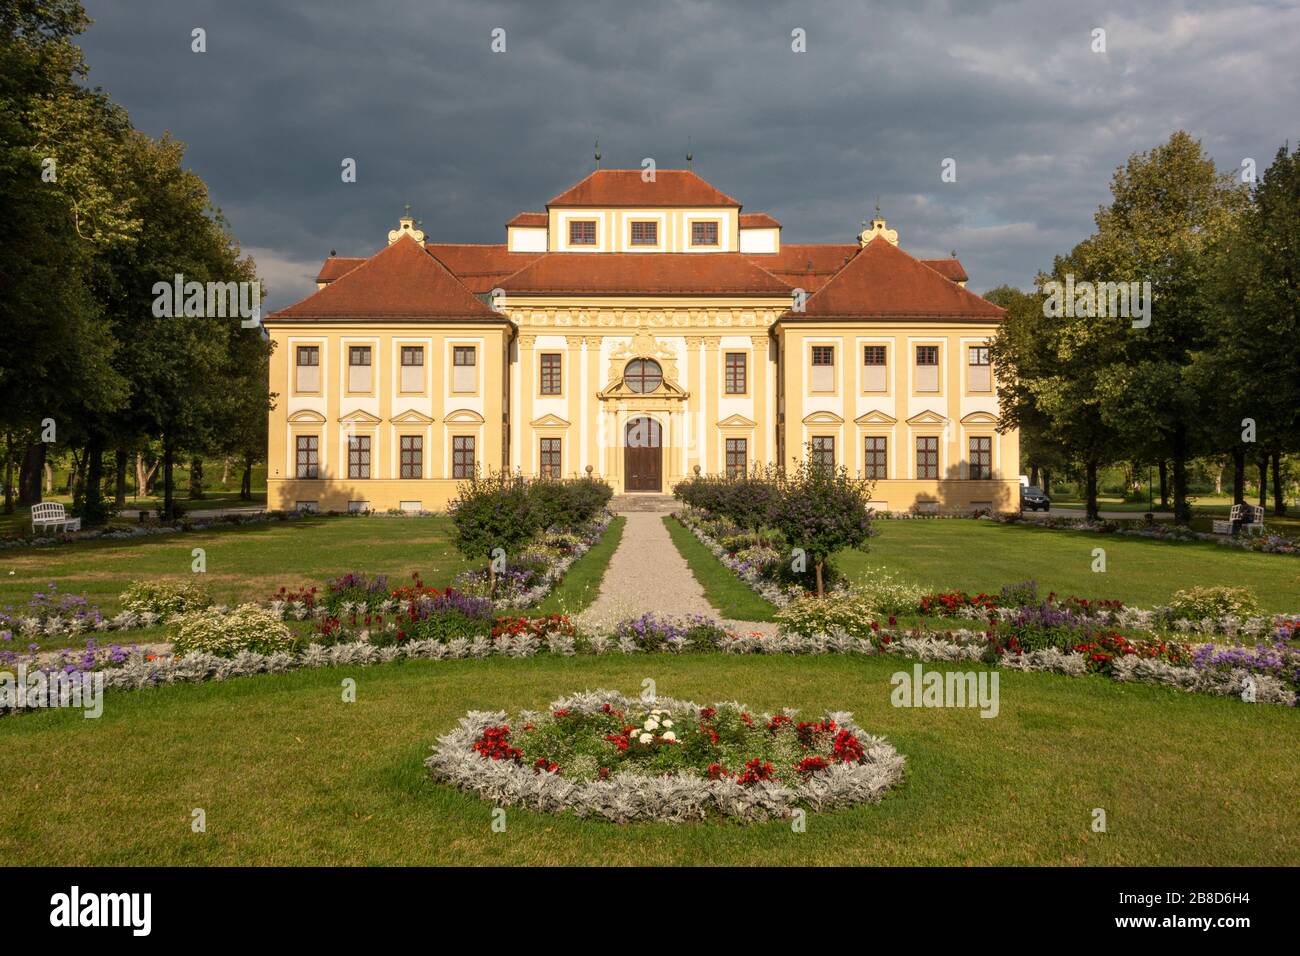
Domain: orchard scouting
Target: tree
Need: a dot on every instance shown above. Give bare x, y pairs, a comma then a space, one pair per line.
1168, 205
822, 510
493, 516
1251, 298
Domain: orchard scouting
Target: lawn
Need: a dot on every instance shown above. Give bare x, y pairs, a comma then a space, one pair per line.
983, 556
580, 585
246, 563
731, 597
288, 774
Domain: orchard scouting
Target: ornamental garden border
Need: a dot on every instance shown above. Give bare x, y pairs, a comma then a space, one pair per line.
833, 762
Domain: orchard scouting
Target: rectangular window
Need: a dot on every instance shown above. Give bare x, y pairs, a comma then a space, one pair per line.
737, 457
927, 368
359, 368
552, 364
927, 457
464, 360
979, 369
981, 457
462, 456
359, 456
645, 233
875, 465
704, 233
549, 459
736, 368
823, 451
823, 368
874, 378
307, 358
412, 368
411, 463
308, 456
582, 232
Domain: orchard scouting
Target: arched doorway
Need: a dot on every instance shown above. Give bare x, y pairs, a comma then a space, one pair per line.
642, 455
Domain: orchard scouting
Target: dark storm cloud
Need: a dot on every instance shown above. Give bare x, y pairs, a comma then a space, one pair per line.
1036, 121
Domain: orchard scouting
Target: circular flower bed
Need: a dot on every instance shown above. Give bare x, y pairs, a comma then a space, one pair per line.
604, 755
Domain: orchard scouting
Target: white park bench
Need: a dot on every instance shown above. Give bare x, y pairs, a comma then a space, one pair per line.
1239, 513
52, 515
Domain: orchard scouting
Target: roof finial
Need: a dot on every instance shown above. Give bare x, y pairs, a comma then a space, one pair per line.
689, 154
598, 152
877, 205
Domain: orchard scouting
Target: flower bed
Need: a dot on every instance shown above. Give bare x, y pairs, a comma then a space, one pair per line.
600, 754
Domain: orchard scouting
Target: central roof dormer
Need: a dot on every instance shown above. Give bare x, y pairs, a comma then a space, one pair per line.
632, 211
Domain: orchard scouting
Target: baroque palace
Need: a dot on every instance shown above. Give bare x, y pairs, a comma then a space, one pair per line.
639, 331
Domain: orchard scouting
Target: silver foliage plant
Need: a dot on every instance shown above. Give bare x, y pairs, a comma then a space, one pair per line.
627, 797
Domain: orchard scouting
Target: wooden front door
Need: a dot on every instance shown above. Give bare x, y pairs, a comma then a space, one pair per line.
642, 456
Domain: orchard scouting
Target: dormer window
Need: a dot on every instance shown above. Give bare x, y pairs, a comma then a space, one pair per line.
582, 232
645, 233
704, 233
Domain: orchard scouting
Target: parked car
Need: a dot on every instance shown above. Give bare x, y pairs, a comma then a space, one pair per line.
1032, 498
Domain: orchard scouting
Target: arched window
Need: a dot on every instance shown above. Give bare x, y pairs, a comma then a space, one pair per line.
643, 375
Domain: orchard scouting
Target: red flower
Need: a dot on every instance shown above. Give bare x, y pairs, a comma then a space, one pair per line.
755, 770
811, 765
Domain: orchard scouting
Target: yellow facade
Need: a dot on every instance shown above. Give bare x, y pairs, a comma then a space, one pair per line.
565, 367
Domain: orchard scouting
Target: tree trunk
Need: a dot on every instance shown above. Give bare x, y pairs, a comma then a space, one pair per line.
1182, 507
246, 482
1263, 479
1047, 483
1279, 500
29, 475
1218, 480
48, 472
1090, 489
1238, 476
77, 477
93, 508
225, 471
821, 588
9, 474
169, 490
119, 477
1164, 483
196, 478
1033, 475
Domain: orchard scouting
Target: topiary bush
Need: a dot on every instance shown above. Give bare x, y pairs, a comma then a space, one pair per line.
822, 510
491, 513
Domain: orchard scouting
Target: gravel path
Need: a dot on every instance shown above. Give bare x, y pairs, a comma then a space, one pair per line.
648, 574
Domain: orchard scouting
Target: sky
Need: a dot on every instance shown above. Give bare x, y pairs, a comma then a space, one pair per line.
1013, 92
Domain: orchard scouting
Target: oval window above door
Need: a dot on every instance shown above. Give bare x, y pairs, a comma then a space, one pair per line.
643, 375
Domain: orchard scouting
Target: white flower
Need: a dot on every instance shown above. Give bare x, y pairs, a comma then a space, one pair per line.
670, 736
652, 724
668, 723
646, 738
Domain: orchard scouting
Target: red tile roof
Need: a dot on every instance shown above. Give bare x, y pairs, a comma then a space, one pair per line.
883, 281
758, 220
336, 266
806, 266
530, 219
625, 187
480, 267
669, 273
948, 268
401, 282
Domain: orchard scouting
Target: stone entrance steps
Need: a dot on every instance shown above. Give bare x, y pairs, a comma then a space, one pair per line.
662, 504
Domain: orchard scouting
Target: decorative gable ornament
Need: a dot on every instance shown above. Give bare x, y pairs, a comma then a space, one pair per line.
406, 227
643, 345
878, 227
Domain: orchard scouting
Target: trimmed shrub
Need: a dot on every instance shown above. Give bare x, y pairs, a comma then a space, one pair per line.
1213, 602
848, 612
246, 628
165, 597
